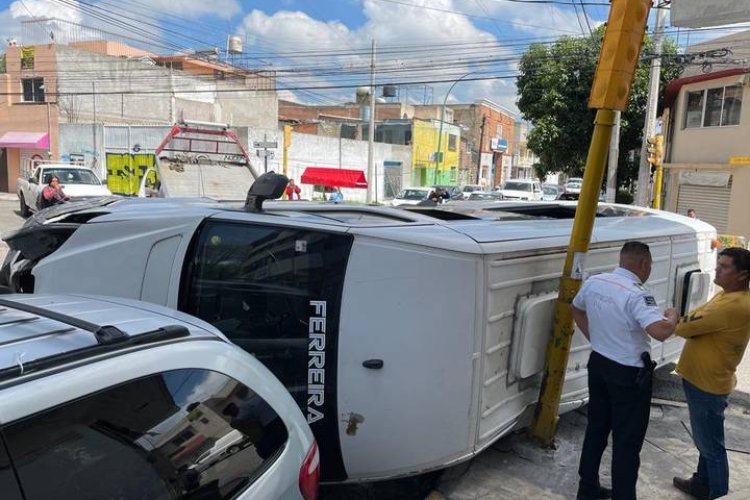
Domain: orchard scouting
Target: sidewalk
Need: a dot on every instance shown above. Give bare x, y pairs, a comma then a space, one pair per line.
516, 468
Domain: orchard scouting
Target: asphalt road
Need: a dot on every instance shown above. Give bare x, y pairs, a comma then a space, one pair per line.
10, 218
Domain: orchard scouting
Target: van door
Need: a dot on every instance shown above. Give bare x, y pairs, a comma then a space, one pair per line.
276, 292
408, 358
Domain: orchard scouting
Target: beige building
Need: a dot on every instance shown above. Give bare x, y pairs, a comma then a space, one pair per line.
707, 160
106, 82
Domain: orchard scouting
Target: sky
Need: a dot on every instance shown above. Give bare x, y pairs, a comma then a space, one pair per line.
432, 50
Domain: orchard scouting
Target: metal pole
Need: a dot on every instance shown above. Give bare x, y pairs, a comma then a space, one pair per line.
614, 155
285, 154
93, 97
621, 46
644, 172
657, 186
371, 135
265, 154
479, 149
545, 421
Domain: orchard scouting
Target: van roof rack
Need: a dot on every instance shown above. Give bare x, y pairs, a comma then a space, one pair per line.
34, 338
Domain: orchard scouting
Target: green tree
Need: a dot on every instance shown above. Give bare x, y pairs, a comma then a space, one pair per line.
554, 82
2, 63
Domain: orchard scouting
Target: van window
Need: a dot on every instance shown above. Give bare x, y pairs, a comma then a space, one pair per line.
176, 435
8, 484
260, 285
276, 292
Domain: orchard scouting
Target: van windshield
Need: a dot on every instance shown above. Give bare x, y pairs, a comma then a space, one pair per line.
517, 186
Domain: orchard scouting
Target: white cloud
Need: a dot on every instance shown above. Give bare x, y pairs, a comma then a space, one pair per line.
393, 26
223, 9
28, 9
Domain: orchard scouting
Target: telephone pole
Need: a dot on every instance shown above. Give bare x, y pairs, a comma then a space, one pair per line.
649, 127
371, 136
479, 148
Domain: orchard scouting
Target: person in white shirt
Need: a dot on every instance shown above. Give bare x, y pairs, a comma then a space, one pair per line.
617, 313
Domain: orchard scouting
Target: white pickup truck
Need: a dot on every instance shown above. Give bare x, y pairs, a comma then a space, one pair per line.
78, 182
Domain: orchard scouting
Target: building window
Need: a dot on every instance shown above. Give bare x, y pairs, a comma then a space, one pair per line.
717, 107
33, 89
452, 139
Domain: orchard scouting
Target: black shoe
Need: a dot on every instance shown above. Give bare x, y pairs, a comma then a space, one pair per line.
692, 487
599, 494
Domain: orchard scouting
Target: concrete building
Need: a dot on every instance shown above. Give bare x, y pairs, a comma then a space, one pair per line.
490, 132
707, 160
102, 81
127, 152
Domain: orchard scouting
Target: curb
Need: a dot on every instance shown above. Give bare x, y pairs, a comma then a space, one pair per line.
8, 197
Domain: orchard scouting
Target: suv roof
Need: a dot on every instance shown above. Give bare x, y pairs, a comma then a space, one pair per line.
42, 331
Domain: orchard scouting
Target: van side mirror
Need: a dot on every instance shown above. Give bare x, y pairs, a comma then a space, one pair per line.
268, 186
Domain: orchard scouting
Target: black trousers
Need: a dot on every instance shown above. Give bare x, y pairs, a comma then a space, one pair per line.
619, 405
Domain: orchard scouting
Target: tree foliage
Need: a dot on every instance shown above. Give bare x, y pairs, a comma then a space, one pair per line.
554, 83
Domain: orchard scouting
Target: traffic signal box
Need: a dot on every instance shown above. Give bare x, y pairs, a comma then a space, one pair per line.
655, 149
618, 58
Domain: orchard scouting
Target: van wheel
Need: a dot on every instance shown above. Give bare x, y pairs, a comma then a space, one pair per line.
25, 212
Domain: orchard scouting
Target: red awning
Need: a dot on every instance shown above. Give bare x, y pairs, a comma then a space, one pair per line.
31, 140
334, 177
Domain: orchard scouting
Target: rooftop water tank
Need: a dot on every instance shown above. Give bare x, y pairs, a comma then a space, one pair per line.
235, 44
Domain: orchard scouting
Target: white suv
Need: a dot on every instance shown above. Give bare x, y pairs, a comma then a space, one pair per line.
522, 189
113, 398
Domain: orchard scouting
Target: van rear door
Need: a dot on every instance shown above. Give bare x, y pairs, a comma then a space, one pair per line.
275, 291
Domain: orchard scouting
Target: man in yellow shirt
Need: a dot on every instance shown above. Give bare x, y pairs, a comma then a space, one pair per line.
717, 334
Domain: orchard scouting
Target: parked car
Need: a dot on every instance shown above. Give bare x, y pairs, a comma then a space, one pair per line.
78, 182
411, 196
114, 398
551, 192
454, 192
470, 188
226, 445
332, 300
486, 196
573, 186
521, 189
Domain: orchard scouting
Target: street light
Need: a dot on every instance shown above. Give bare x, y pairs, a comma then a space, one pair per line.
438, 155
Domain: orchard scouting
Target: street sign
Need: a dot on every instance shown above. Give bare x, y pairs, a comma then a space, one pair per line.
739, 160
266, 144
262, 153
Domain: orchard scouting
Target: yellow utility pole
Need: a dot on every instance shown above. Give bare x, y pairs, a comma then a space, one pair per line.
626, 27
655, 155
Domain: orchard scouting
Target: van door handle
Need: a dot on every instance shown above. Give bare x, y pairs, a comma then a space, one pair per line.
373, 364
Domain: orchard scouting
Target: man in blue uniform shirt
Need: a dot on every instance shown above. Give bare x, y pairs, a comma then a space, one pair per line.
618, 314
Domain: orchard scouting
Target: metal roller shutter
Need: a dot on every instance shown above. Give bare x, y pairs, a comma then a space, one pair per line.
711, 203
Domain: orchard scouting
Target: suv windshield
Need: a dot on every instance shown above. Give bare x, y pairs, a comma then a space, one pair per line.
412, 194
517, 186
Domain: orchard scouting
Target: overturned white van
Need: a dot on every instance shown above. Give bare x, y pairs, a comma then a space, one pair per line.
411, 339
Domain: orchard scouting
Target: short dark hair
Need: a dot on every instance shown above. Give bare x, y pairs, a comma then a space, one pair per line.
635, 248
740, 257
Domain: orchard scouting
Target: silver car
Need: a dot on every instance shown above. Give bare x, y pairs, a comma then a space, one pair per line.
113, 398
